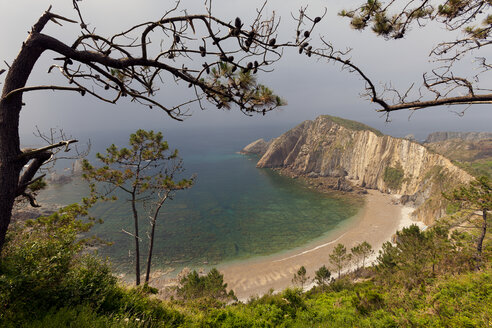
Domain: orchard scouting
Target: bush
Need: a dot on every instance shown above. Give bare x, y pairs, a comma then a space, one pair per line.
44, 277
193, 286
37, 262
367, 302
393, 176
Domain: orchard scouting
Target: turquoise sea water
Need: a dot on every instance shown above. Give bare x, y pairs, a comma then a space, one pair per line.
234, 210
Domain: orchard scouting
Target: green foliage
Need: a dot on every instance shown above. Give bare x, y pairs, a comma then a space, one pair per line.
145, 171
227, 80
352, 125
148, 165
37, 185
339, 258
368, 301
300, 277
452, 208
193, 286
294, 301
434, 290
476, 196
37, 263
361, 252
395, 24
46, 277
420, 256
463, 302
322, 277
78, 317
477, 168
393, 176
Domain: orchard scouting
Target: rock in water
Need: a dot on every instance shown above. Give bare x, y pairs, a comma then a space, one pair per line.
257, 147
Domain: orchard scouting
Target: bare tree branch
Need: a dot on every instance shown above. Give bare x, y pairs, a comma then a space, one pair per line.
32, 153
42, 87
441, 87
219, 60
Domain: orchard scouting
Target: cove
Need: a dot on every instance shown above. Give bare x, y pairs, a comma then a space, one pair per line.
234, 211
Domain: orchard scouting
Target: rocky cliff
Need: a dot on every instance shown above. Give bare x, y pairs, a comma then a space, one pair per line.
334, 147
258, 147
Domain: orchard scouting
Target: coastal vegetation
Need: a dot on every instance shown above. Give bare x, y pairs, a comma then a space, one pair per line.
193, 286
476, 197
473, 155
436, 277
352, 125
115, 69
322, 277
147, 172
360, 253
300, 277
393, 176
51, 275
339, 258
426, 278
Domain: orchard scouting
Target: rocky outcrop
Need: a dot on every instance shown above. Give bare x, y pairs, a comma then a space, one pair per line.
24, 212
442, 136
330, 147
258, 147
56, 177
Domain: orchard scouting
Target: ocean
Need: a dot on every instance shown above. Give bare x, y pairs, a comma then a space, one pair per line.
234, 211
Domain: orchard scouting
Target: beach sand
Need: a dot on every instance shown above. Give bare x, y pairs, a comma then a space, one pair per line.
376, 223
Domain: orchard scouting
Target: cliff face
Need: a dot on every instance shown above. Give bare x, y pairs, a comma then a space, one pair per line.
258, 147
366, 158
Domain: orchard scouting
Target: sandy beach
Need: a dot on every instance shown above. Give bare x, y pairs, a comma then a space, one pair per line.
376, 223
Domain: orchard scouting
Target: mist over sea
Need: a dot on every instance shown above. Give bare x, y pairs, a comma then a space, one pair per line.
234, 211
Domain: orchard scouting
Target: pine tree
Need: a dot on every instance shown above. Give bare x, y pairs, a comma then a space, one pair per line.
339, 258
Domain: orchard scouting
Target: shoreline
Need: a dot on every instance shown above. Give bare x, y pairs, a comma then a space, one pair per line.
377, 222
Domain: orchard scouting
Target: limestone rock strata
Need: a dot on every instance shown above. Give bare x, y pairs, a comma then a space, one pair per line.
258, 147
325, 148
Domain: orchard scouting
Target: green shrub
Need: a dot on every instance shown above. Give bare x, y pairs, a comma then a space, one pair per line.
79, 317
393, 176
293, 301
352, 125
37, 262
193, 286
368, 301
44, 277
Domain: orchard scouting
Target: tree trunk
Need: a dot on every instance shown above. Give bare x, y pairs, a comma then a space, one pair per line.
481, 238
152, 233
137, 246
151, 248
10, 167
10, 163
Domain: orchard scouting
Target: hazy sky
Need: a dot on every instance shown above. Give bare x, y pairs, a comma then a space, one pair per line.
310, 87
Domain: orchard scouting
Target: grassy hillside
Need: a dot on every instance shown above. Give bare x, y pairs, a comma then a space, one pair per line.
426, 279
474, 156
352, 125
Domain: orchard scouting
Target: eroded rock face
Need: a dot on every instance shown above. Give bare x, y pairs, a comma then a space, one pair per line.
366, 158
258, 147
